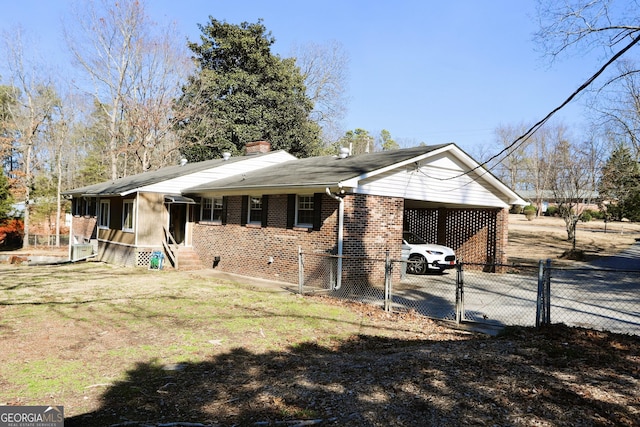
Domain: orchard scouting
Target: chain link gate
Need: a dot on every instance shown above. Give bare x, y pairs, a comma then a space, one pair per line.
495, 295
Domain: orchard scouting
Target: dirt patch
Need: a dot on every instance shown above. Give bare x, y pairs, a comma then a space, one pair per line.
546, 238
130, 347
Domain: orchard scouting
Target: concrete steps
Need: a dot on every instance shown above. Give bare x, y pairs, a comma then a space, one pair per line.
188, 259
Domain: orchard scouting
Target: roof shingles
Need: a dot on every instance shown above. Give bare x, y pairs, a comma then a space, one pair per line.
315, 171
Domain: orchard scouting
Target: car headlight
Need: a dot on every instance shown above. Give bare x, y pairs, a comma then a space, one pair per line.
435, 253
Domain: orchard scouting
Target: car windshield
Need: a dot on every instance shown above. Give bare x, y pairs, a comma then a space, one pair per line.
412, 239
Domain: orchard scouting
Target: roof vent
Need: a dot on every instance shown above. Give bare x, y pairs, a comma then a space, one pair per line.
344, 152
226, 155
183, 162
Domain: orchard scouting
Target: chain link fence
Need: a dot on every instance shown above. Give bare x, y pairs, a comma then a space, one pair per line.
496, 295
506, 297
595, 298
47, 240
319, 274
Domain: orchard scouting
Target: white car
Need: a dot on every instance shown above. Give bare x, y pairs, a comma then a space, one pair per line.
425, 256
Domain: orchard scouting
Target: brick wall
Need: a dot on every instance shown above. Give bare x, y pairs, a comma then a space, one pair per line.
247, 249
372, 225
84, 227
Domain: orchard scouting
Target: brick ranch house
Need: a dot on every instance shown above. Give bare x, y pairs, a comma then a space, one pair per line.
353, 206
256, 221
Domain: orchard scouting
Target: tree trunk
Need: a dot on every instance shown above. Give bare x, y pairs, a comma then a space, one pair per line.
27, 194
58, 198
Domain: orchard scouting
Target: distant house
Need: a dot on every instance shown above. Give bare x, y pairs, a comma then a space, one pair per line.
584, 199
255, 222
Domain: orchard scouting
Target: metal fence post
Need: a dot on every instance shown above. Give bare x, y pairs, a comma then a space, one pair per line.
459, 293
540, 306
300, 271
388, 268
548, 292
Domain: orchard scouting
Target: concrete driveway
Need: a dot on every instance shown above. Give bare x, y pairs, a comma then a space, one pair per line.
627, 260
602, 295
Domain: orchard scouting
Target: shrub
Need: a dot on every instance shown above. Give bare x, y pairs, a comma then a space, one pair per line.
552, 211
11, 233
529, 212
597, 214
590, 214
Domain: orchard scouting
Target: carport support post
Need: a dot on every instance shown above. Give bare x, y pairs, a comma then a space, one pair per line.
459, 293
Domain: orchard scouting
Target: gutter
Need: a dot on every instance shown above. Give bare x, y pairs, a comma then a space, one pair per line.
340, 236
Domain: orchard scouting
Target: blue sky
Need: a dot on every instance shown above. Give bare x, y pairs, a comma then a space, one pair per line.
427, 71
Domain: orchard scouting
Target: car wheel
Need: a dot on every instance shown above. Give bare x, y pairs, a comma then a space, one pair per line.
417, 264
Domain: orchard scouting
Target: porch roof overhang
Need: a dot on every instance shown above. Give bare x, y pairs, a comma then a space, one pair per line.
177, 198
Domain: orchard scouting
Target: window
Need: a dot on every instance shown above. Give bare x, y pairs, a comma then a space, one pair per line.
304, 210
212, 209
255, 210
78, 206
91, 207
127, 215
84, 206
105, 212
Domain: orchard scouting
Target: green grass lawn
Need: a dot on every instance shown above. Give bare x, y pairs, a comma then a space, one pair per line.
132, 347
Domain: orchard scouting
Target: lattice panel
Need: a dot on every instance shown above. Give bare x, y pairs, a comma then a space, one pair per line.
423, 222
143, 258
472, 234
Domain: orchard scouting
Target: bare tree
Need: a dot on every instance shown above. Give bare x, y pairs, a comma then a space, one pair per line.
511, 168
33, 102
539, 161
586, 25
617, 107
325, 71
59, 151
573, 181
157, 76
134, 72
608, 28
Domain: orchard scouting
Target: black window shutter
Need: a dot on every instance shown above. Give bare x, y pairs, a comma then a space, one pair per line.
291, 210
265, 209
317, 211
225, 203
244, 210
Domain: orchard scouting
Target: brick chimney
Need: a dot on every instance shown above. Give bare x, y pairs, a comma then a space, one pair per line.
257, 147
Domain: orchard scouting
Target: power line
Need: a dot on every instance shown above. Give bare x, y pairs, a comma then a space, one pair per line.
524, 137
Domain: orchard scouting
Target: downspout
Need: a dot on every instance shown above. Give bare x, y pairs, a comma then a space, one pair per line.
340, 236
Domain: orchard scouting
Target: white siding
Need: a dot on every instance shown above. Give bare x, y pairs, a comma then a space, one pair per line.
176, 185
440, 179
